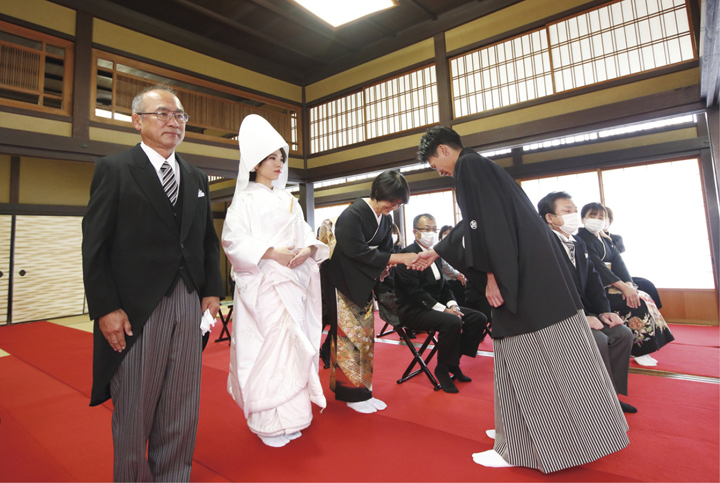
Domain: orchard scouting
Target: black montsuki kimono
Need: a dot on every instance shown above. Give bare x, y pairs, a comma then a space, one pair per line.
355, 266
504, 235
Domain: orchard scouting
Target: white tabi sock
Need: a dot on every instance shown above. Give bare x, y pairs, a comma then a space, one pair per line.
490, 433
362, 407
377, 404
275, 441
294, 435
491, 459
645, 360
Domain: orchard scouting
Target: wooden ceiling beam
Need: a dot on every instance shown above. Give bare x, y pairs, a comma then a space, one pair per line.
244, 28
422, 9
125, 17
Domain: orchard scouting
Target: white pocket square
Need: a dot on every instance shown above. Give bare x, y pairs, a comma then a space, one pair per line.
200, 193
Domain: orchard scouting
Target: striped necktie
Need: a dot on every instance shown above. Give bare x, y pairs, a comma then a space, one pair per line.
169, 182
571, 249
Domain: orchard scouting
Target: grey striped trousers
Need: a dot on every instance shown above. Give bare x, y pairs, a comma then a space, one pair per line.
156, 394
555, 405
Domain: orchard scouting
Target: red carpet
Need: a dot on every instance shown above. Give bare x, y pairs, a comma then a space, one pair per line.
701, 335
48, 433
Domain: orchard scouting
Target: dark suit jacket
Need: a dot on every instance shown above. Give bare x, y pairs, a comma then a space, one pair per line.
133, 247
418, 290
587, 280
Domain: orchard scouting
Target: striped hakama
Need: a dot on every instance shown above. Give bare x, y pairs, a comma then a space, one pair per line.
555, 406
353, 346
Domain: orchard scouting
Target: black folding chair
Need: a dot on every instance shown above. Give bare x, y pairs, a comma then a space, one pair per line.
418, 357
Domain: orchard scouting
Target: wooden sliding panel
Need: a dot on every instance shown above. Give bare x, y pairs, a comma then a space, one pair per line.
47, 273
690, 306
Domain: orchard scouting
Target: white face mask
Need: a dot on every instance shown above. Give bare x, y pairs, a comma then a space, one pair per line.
395, 239
593, 225
428, 239
571, 222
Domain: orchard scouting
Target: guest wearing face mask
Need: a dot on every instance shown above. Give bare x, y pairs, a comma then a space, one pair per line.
425, 302
636, 308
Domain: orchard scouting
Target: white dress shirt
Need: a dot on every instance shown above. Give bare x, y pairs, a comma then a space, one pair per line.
157, 161
438, 306
565, 239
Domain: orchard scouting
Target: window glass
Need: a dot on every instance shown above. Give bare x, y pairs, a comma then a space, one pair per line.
440, 204
660, 213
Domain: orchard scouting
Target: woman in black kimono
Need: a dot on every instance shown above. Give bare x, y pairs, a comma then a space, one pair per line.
363, 255
635, 307
555, 405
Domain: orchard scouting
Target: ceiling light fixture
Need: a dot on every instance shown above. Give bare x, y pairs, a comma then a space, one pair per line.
341, 12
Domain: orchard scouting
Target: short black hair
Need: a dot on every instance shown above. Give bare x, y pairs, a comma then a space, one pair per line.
416, 220
390, 186
547, 204
434, 137
253, 174
610, 216
591, 208
443, 230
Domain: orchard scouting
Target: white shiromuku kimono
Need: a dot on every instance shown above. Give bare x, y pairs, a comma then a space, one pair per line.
277, 316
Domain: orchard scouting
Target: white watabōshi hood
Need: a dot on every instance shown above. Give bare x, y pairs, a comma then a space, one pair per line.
257, 140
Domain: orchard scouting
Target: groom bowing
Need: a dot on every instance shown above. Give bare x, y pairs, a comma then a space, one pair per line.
151, 268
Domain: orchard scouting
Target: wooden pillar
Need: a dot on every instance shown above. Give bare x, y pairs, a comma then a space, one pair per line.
81, 78
14, 180
399, 219
442, 74
307, 202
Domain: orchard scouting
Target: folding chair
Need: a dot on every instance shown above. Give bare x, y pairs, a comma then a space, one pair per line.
418, 356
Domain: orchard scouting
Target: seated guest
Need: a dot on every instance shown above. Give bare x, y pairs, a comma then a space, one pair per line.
455, 279
425, 302
636, 308
384, 290
642, 283
614, 339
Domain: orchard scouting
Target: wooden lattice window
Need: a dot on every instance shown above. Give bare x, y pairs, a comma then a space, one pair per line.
337, 123
216, 111
404, 102
620, 39
502, 74
35, 70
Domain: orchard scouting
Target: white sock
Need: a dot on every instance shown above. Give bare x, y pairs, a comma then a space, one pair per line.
294, 435
377, 404
362, 407
651, 358
490, 433
645, 360
491, 459
275, 441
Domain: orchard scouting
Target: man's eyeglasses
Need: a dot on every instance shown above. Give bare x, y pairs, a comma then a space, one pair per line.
428, 229
165, 116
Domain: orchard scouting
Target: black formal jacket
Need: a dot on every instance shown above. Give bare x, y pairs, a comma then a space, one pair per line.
602, 251
587, 280
505, 236
135, 248
418, 290
355, 266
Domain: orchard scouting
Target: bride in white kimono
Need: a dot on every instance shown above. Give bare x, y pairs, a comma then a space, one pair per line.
277, 322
